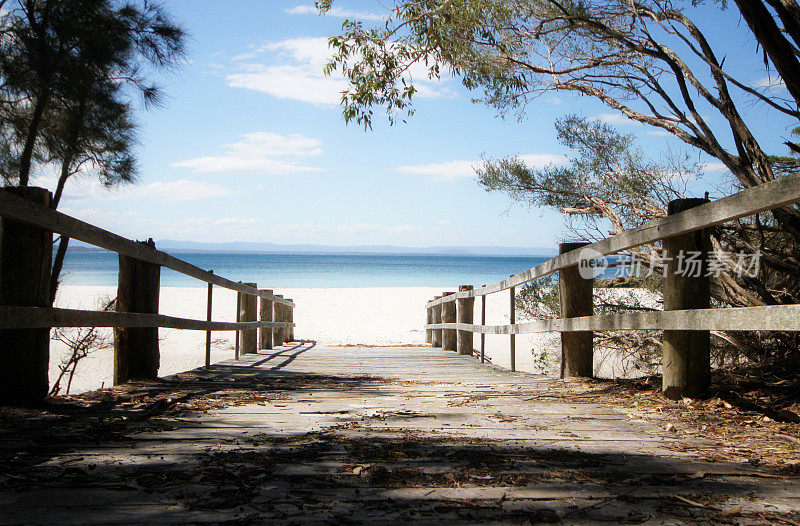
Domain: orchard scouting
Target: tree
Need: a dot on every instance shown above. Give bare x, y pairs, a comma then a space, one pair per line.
58, 51
609, 186
645, 58
70, 71
782, 51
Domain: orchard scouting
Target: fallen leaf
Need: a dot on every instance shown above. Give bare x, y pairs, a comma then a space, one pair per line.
689, 501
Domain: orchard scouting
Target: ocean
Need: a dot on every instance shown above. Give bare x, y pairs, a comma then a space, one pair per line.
313, 270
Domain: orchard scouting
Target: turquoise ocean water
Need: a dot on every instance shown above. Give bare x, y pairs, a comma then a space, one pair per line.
313, 270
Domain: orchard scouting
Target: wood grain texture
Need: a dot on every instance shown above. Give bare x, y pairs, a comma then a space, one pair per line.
575, 296
42, 317
465, 313
136, 352
686, 361
265, 313
249, 312
436, 336
315, 434
449, 316
277, 333
766, 318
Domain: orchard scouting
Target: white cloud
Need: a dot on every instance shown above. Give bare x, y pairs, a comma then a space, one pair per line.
454, 170
181, 190
262, 153
713, 167
293, 69
86, 186
449, 171
224, 221
291, 82
770, 83
616, 119
336, 12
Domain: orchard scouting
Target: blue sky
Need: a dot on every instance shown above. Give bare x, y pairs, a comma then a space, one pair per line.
251, 145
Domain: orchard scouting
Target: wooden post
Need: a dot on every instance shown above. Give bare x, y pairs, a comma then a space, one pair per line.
512, 312
575, 294
249, 310
265, 314
278, 333
449, 316
238, 316
290, 319
465, 313
26, 254
686, 360
483, 322
428, 321
436, 337
136, 355
208, 318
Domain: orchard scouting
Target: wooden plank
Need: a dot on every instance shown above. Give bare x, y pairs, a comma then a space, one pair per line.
41, 317
136, 350
26, 256
209, 302
767, 318
576, 300
248, 311
19, 209
686, 355
767, 196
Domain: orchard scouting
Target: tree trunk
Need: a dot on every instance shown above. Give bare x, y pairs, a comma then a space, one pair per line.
58, 264
30, 141
769, 35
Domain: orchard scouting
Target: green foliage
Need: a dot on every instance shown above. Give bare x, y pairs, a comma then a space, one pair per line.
648, 60
607, 181
70, 71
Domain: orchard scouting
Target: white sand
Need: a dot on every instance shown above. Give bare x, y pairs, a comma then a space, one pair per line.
380, 316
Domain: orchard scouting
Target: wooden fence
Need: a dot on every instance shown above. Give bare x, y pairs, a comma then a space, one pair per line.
27, 224
686, 320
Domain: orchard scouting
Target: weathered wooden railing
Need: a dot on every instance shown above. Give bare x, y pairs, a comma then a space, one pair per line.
686, 319
27, 224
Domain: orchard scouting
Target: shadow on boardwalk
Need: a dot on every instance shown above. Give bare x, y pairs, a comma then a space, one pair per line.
332, 435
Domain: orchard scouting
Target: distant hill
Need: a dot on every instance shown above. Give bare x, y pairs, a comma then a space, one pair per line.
172, 245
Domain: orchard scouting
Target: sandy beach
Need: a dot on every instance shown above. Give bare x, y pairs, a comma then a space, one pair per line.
378, 316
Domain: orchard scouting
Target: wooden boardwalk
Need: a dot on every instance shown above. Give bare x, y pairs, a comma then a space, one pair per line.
319, 434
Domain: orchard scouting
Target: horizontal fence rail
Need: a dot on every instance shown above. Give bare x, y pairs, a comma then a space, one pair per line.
767, 318
38, 318
27, 222
19, 209
686, 321
764, 197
